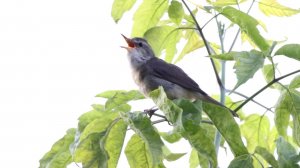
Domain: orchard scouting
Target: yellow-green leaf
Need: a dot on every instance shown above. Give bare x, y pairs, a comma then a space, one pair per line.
176, 12
119, 7
290, 50
272, 7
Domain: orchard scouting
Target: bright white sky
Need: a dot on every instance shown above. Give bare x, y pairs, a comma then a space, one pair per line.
55, 56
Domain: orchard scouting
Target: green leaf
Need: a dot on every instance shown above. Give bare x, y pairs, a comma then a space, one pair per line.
289, 103
246, 66
295, 83
169, 156
268, 72
137, 153
230, 55
194, 42
282, 114
171, 136
247, 25
114, 142
229, 129
290, 50
89, 146
267, 156
147, 16
255, 129
272, 7
287, 154
163, 38
176, 12
227, 2
110, 93
59, 155
244, 161
193, 132
194, 162
88, 117
141, 124
170, 109
118, 101
119, 7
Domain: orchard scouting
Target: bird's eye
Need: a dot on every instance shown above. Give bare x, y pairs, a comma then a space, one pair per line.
141, 44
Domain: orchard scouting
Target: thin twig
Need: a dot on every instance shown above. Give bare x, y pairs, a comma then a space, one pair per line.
205, 43
238, 32
263, 88
254, 101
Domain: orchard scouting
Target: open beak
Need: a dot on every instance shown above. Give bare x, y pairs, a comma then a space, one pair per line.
129, 43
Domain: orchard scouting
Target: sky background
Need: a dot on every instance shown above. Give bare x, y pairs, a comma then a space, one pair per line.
55, 56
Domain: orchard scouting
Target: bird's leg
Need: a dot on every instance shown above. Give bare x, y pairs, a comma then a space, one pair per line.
151, 112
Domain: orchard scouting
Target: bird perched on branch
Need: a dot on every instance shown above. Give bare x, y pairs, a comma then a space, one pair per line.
150, 72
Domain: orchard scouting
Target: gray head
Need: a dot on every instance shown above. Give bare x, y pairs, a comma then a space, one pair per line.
139, 51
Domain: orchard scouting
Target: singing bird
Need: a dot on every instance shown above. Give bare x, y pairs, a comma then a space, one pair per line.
150, 72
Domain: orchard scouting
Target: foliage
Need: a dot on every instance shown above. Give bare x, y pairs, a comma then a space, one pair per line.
255, 141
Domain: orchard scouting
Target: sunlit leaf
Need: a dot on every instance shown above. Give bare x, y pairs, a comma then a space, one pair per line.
114, 142
289, 103
229, 129
287, 154
290, 50
272, 7
268, 71
176, 12
137, 153
244, 161
246, 66
247, 25
169, 156
193, 132
256, 129
194, 42
227, 2
295, 83
267, 156
147, 16
194, 162
141, 124
119, 7
88, 117
170, 109
230, 55
163, 38
171, 136
59, 155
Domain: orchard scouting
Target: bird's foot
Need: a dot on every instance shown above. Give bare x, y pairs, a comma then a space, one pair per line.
151, 112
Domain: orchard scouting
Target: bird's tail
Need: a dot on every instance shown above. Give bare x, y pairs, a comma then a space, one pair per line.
211, 100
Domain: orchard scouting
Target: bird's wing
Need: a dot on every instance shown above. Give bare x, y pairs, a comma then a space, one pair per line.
174, 74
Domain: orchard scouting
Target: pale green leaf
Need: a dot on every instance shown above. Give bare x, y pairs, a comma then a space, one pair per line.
227, 2
194, 42
289, 103
170, 109
247, 25
255, 129
59, 155
229, 129
142, 125
295, 83
193, 132
194, 162
110, 93
287, 154
171, 136
114, 142
267, 156
244, 161
246, 66
137, 153
119, 7
88, 117
290, 50
268, 72
176, 12
163, 38
272, 7
169, 156
147, 16
230, 55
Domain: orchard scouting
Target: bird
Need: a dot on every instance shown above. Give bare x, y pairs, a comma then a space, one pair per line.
150, 72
